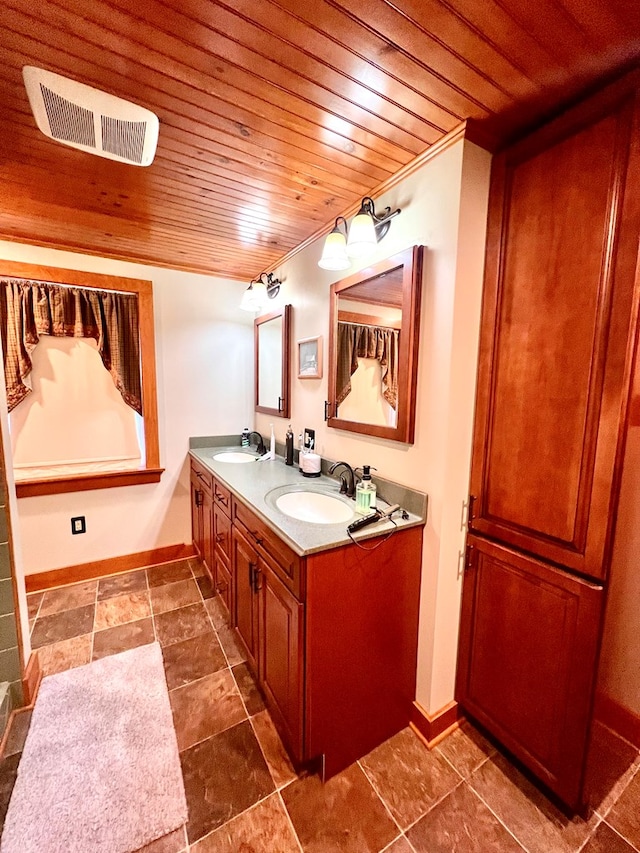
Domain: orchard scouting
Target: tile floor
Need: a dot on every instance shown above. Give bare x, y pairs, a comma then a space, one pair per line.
242, 792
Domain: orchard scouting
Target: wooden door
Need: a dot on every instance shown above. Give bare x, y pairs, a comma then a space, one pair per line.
244, 568
281, 655
528, 650
557, 320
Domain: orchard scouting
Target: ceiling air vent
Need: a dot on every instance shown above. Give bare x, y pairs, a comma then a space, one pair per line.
91, 120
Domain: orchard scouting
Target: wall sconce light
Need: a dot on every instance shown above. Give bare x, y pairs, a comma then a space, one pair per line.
260, 290
334, 254
367, 229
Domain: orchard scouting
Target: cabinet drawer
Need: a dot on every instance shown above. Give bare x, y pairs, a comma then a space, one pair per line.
202, 477
287, 562
223, 532
222, 497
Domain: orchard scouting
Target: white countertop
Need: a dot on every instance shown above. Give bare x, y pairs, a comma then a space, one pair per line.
253, 482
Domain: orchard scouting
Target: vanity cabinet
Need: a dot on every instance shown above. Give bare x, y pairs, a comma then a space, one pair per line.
331, 637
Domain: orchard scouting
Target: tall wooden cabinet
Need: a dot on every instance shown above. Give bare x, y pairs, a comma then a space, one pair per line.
556, 349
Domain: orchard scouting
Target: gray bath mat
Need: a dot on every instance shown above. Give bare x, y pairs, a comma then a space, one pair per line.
100, 771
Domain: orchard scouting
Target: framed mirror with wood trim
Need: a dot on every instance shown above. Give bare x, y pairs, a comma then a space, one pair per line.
272, 334
373, 348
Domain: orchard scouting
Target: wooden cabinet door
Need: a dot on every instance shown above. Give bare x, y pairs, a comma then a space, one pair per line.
208, 533
244, 568
197, 529
557, 319
529, 639
281, 655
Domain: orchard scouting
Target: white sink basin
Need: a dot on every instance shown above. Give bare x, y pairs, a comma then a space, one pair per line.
314, 507
234, 456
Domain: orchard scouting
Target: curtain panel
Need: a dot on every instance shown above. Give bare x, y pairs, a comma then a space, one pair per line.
33, 308
359, 341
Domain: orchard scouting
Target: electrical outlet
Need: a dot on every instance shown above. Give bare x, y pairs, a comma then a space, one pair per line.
309, 438
78, 525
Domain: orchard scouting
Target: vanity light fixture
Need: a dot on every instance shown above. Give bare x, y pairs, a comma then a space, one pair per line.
334, 254
367, 229
260, 290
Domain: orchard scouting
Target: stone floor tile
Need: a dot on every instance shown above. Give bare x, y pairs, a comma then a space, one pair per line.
206, 587
111, 641
624, 816
611, 765
67, 654
169, 573
17, 733
197, 567
461, 822
34, 600
223, 776
217, 612
122, 584
8, 774
206, 707
534, 820
130, 607
231, 645
466, 749
264, 828
62, 626
248, 689
181, 624
170, 596
409, 777
400, 845
278, 761
192, 659
605, 840
344, 815
68, 597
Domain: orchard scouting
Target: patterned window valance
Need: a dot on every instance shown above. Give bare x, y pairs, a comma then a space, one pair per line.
34, 308
359, 341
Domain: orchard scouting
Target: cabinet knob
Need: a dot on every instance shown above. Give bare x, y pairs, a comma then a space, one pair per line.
257, 538
219, 537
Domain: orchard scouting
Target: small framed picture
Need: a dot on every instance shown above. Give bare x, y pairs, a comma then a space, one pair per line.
310, 358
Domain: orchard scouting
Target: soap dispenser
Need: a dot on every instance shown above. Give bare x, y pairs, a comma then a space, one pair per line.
288, 455
366, 492
244, 440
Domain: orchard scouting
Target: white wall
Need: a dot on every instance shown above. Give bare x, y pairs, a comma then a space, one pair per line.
204, 363
444, 207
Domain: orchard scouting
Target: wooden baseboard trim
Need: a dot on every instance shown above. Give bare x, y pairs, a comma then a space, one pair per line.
110, 566
31, 679
615, 716
434, 727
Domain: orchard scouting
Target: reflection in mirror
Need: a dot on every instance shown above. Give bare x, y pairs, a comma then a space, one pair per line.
272, 362
373, 348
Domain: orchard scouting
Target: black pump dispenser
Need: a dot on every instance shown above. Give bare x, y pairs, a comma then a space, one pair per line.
289, 447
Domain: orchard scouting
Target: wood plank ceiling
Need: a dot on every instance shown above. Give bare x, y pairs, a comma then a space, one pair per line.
275, 115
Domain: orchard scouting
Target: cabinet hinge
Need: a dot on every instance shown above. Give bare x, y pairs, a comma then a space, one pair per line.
471, 514
468, 557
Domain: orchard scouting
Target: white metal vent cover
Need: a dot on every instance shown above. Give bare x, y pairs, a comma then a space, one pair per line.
91, 120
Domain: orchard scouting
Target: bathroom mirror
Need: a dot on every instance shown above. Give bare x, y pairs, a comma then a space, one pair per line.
272, 335
373, 348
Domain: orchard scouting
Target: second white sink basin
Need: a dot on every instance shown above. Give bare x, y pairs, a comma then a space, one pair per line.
314, 507
234, 456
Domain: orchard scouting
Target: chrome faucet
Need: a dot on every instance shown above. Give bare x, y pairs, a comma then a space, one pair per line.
260, 448
347, 479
